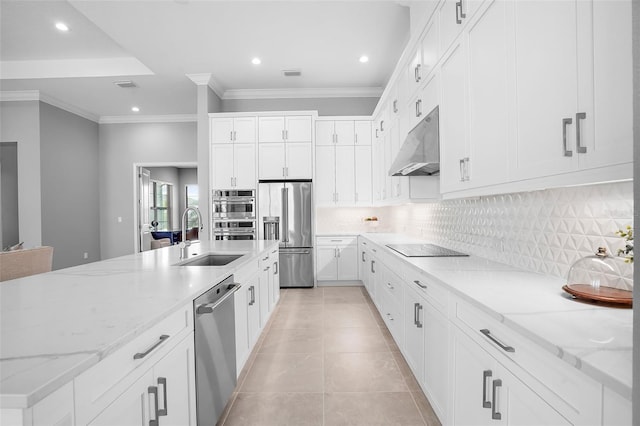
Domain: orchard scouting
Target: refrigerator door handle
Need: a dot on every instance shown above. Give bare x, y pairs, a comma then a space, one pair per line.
285, 215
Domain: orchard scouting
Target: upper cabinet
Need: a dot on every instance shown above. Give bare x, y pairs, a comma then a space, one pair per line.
343, 162
233, 130
574, 112
285, 147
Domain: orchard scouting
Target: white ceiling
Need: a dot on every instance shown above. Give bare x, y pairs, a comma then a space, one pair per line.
156, 43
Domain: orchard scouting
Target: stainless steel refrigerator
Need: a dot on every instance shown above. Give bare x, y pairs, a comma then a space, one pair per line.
284, 212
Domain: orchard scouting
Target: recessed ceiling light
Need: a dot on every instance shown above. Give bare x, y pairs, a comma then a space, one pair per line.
135, 109
364, 59
256, 61
61, 26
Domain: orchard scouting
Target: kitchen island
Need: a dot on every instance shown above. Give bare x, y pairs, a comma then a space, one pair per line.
58, 325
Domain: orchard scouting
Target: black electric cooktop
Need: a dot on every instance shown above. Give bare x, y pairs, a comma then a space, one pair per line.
423, 250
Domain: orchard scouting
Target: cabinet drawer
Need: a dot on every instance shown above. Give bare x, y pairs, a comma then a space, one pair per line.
99, 386
433, 292
392, 286
550, 377
391, 312
334, 241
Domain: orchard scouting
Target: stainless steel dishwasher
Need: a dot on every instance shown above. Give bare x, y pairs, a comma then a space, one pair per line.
215, 343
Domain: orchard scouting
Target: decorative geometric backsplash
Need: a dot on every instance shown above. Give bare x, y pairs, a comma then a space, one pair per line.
542, 231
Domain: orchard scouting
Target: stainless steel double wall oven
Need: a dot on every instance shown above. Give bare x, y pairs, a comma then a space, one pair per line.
234, 214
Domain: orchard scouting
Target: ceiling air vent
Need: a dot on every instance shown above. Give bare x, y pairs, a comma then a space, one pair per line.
125, 83
292, 73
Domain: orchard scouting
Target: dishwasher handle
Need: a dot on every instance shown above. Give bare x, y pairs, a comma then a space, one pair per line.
209, 307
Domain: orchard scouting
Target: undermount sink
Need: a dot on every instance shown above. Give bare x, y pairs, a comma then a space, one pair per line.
211, 260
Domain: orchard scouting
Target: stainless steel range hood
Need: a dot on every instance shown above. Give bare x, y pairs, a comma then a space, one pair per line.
420, 152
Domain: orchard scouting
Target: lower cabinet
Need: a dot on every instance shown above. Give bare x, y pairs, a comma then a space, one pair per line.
486, 392
336, 259
165, 393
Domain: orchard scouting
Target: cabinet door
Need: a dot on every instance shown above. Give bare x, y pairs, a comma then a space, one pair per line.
430, 47
546, 87
244, 160
241, 308
325, 175
488, 96
518, 405
363, 190
345, 175
436, 358
414, 330
414, 70
327, 267
324, 133
270, 129
363, 262
275, 270
221, 130
132, 407
362, 131
174, 377
607, 130
299, 160
450, 23
453, 120
265, 305
222, 166
244, 129
253, 311
348, 262
345, 132
271, 161
474, 369
298, 129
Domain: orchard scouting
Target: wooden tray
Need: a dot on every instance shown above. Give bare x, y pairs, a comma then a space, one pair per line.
601, 294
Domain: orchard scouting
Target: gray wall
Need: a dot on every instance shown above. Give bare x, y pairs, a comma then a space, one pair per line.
9, 192
122, 145
69, 173
20, 122
324, 106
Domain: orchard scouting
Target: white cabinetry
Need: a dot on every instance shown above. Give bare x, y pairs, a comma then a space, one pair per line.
233, 166
284, 147
571, 114
485, 391
233, 129
474, 112
343, 162
233, 152
269, 282
336, 258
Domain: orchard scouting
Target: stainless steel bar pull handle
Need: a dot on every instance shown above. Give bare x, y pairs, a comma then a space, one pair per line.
153, 390
502, 346
372, 269
163, 381
458, 12
275, 268
161, 339
418, 73
420, 284
495, 414
252, 300
486, 374
363, 257
565, 123
462, 14
581, 149
415, 313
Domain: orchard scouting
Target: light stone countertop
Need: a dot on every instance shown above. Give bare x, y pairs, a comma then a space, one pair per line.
594, 339
56, 325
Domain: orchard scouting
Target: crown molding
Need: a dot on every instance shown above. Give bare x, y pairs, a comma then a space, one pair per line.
126, 119
36, 95
348, 92
63, 68
201, 79
217, 88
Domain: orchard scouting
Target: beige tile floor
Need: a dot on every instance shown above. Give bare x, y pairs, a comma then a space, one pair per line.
326, 358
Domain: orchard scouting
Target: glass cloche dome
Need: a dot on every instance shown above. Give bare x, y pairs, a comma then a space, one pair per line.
601, 278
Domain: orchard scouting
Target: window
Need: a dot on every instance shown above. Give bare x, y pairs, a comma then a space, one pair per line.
160, 205
192, 200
